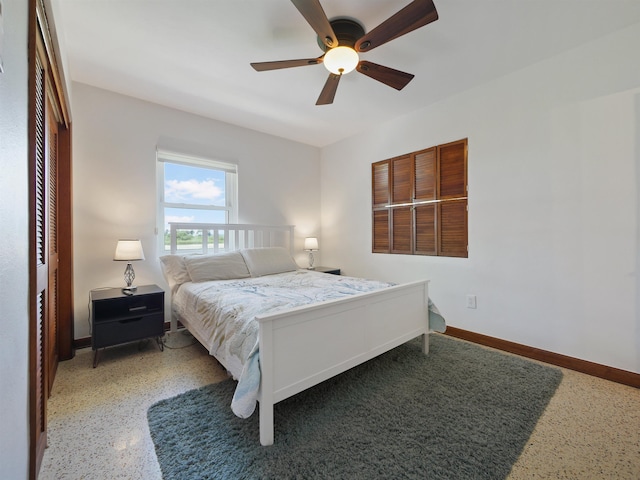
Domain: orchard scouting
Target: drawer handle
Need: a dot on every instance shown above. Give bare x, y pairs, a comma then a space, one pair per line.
137, 309
131, 320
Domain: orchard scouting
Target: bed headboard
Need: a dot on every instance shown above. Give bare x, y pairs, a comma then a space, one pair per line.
226, 237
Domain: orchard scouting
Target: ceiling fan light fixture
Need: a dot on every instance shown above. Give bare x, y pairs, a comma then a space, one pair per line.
347, 37
341, 60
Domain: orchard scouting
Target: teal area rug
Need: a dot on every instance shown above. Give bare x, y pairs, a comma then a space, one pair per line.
462, 412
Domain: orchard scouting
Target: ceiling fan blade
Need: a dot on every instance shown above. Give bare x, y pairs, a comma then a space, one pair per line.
314, 14
262, 66
415, 15
329, 90
389, 76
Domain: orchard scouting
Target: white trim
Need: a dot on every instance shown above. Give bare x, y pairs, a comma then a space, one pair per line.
189, 160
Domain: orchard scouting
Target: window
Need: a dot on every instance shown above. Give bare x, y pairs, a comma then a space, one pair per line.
419, 202
194, 190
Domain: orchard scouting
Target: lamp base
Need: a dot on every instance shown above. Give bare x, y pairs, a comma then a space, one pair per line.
129, 277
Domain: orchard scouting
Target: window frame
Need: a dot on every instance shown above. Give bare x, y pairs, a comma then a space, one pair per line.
231, 188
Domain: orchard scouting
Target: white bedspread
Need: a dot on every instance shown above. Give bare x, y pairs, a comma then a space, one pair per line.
224, 313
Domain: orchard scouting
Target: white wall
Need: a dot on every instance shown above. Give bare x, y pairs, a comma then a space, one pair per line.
14, 261
553, 204
114, 187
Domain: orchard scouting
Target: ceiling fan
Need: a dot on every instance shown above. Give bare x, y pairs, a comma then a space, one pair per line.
343, 38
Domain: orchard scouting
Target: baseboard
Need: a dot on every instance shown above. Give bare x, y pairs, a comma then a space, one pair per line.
84, 342
595, 369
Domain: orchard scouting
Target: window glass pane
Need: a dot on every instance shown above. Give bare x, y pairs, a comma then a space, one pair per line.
194, 190
189, 215
194, 185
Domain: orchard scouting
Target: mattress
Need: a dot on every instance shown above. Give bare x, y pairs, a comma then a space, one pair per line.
223, 313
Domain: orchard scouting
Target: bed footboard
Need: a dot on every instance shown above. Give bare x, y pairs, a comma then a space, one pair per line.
304, 346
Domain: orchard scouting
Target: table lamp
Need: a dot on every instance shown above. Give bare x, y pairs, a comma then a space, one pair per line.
311, 245
129, 251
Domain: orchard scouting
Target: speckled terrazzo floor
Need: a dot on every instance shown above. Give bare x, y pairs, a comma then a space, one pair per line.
98, 417
98, 426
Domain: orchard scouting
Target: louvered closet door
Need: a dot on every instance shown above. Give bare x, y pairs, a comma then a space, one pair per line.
50, 228
51, 166
39, 277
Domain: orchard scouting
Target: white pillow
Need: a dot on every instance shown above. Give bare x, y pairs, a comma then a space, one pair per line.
174, 270
222, 266
269, 260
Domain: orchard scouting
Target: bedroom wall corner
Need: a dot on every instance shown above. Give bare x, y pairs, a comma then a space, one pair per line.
14, 261
553, 222
114, 143
637, 270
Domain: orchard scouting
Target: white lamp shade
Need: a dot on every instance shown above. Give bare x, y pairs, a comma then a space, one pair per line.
311, 243
129, 250
341, 60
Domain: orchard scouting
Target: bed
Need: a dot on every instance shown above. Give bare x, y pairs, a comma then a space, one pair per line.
279, 329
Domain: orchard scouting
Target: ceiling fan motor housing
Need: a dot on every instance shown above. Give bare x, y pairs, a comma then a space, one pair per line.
346, 30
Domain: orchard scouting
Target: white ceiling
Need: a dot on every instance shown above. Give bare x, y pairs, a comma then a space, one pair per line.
194, 55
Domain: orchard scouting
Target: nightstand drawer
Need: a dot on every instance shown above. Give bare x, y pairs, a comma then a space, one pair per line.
127, 307
127, 330
121, 316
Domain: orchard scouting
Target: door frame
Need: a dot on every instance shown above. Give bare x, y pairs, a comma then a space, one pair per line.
42, 47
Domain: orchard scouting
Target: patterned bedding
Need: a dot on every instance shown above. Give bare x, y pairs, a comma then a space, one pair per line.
223, 312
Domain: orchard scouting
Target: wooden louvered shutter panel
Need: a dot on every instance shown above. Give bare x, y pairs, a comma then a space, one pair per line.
401, 192
426, 192
53, 287
402, 179
49, 208
380, 198
401, 230
380, 180
452, 166
453, 233
381, 231
425, 218
39, 299
425, 173
453, 229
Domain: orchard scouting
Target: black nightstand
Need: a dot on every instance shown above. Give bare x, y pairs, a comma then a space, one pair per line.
118, 318
331, 270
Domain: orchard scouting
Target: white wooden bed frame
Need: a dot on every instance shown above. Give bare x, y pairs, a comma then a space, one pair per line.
304, 346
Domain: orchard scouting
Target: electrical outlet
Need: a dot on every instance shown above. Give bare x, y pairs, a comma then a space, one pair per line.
471, 301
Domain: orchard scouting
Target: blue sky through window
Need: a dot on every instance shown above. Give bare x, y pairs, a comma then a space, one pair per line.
193, 186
